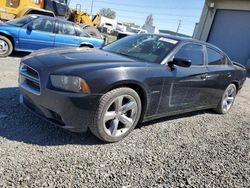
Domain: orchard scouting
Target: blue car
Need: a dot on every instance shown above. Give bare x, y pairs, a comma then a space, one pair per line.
34, 32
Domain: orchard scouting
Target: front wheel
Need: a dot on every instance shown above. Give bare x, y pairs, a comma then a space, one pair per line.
6, 47
227, 99
117, 115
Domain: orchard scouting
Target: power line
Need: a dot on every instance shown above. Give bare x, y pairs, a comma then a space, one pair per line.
165, 20
163, 14
183, 25
144, 12
146, 6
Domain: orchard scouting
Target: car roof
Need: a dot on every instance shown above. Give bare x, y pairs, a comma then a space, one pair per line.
55, 18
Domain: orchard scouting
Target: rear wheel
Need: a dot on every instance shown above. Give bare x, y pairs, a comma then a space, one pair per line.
117, 115
6, 47
227, 99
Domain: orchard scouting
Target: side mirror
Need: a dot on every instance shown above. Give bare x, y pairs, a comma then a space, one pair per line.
180, 62
30, 27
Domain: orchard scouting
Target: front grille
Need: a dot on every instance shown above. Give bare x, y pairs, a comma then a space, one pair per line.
29, 79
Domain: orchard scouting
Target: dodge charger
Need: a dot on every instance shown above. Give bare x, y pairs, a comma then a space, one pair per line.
136, 79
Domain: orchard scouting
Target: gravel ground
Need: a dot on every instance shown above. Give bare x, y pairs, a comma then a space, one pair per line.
193, 150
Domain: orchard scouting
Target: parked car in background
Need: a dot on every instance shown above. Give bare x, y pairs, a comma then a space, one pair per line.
130, 31
34, 32
135, 79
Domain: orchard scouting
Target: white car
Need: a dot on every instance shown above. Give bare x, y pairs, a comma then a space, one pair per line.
131, 31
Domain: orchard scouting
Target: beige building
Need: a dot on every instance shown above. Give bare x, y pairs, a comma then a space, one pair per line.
226, 24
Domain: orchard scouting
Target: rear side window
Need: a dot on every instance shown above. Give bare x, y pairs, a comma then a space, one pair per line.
66, 28
193, 52
44, 24
215, 58
81, 32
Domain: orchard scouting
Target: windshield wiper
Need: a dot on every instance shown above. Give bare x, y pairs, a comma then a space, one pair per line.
123, 54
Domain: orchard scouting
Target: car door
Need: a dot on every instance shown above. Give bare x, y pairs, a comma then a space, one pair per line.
219, 74
37, 34
184, 88
66, 35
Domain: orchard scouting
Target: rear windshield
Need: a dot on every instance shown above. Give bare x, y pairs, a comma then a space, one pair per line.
146, 47
19, 22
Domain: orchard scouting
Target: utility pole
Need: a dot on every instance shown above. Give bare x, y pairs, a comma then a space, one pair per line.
178, 28
91, 10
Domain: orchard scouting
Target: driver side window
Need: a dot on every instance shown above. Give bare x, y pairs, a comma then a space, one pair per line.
193, 52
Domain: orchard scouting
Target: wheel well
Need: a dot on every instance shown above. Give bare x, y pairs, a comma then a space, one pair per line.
236, 84
87, 45
9, 37
142, 94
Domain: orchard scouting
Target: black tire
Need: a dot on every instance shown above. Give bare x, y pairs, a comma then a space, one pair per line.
6, 43
97, 127
219, 108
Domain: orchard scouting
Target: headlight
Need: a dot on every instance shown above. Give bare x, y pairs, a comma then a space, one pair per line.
69, 83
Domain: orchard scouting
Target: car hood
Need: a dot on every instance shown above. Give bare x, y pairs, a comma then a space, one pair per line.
72, 56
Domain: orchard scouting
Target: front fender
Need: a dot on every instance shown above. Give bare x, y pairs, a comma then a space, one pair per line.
12, 35
2, 31
132, 83
103, 80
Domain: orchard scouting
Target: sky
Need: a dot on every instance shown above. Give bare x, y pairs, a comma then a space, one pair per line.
166, 13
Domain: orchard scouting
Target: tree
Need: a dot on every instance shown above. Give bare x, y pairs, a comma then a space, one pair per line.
149, 20
107, 12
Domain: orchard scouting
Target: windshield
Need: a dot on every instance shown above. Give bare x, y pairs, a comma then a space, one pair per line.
150, 48
19, 22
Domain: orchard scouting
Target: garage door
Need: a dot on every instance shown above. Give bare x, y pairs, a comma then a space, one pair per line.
231, 32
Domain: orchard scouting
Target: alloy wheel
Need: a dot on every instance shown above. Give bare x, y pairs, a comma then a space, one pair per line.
120, 115
4, 47
228, 98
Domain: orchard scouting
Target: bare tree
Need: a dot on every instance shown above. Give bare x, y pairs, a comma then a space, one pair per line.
107, 12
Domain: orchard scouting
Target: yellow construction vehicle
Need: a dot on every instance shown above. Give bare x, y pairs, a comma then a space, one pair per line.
83, 19
10, 9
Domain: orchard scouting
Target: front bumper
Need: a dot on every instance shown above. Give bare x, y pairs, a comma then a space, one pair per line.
72, 113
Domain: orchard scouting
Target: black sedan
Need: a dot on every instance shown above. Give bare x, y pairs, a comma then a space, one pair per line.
136, 79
